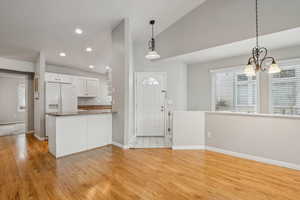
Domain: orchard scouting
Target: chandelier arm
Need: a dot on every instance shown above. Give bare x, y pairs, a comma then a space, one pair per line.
251, 60
266, 59
263, 50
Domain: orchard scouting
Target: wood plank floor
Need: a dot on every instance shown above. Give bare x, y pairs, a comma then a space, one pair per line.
28, 171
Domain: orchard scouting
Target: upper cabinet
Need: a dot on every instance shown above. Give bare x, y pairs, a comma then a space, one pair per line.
59, 78
87, 87
92, 86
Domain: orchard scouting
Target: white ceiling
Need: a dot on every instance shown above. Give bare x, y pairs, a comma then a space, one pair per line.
288, 38
30, 26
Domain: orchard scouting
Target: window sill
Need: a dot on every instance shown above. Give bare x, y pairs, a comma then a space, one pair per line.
254, 114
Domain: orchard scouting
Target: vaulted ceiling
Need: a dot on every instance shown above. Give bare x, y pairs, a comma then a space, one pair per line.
30, 26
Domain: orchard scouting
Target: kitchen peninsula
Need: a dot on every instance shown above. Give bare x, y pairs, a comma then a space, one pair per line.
74, 132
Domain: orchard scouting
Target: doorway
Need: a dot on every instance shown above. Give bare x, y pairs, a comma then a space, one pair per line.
150, 110
13, 103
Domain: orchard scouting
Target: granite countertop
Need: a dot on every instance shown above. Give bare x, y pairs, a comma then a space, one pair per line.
82, 112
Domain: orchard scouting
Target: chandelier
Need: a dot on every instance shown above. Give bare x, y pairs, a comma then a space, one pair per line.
152, 54
260, 61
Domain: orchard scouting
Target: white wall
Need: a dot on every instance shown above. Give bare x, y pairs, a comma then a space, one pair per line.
122, 78
176, 75
272, 138
199, 80
16, 65
219, 22
188, 130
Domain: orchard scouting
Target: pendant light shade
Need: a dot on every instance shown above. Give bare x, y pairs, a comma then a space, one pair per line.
249, 70
274, 68
152, 54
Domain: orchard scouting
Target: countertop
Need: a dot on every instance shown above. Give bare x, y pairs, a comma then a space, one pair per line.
82, 112
94, 107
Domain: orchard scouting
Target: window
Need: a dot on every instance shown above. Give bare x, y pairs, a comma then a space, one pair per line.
234, 91
285, 91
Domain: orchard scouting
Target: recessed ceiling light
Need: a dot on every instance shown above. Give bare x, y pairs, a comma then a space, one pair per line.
88, 49
62, 54
91, 66
78, 31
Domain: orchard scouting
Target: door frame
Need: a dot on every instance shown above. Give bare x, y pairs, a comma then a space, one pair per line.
136, 74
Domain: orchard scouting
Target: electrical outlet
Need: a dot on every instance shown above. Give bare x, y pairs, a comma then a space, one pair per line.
209, 134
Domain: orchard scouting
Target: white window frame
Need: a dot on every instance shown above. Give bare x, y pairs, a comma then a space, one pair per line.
228, 69
285, 64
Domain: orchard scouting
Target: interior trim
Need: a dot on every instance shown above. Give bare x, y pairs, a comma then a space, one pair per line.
255, 158
189, 147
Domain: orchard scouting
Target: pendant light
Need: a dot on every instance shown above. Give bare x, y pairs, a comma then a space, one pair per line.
152, 54
257, 62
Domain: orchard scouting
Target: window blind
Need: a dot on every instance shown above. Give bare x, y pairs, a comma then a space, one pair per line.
234, 91
285, 91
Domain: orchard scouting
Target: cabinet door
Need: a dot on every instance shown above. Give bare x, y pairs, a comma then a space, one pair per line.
52, 77
92, 87
81, 87
66, 79
70, 135
99, 129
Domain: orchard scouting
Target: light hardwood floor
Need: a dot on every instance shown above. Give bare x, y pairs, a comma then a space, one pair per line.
28, 171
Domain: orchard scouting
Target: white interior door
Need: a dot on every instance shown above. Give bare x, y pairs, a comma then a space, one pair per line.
150, 92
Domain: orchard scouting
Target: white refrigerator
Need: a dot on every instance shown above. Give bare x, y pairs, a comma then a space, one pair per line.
61, 97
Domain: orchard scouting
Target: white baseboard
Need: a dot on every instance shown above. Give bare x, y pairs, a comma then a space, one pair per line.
30, 132
150, 147
188, 147
255, 158
120, 145
39, 138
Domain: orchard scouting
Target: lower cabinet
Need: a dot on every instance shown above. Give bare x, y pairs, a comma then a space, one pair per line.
99, 128
72, 134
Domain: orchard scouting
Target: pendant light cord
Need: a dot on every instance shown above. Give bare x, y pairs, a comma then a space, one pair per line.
152, 30
256, 11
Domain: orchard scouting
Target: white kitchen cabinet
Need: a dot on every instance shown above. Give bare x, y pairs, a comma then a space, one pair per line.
52, 77
76, 133
66, 78
81, 87
71, 126
99, 128
59, 78
92, 87
87, 87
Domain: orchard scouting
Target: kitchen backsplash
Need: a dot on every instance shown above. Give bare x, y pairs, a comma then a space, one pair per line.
94, 101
